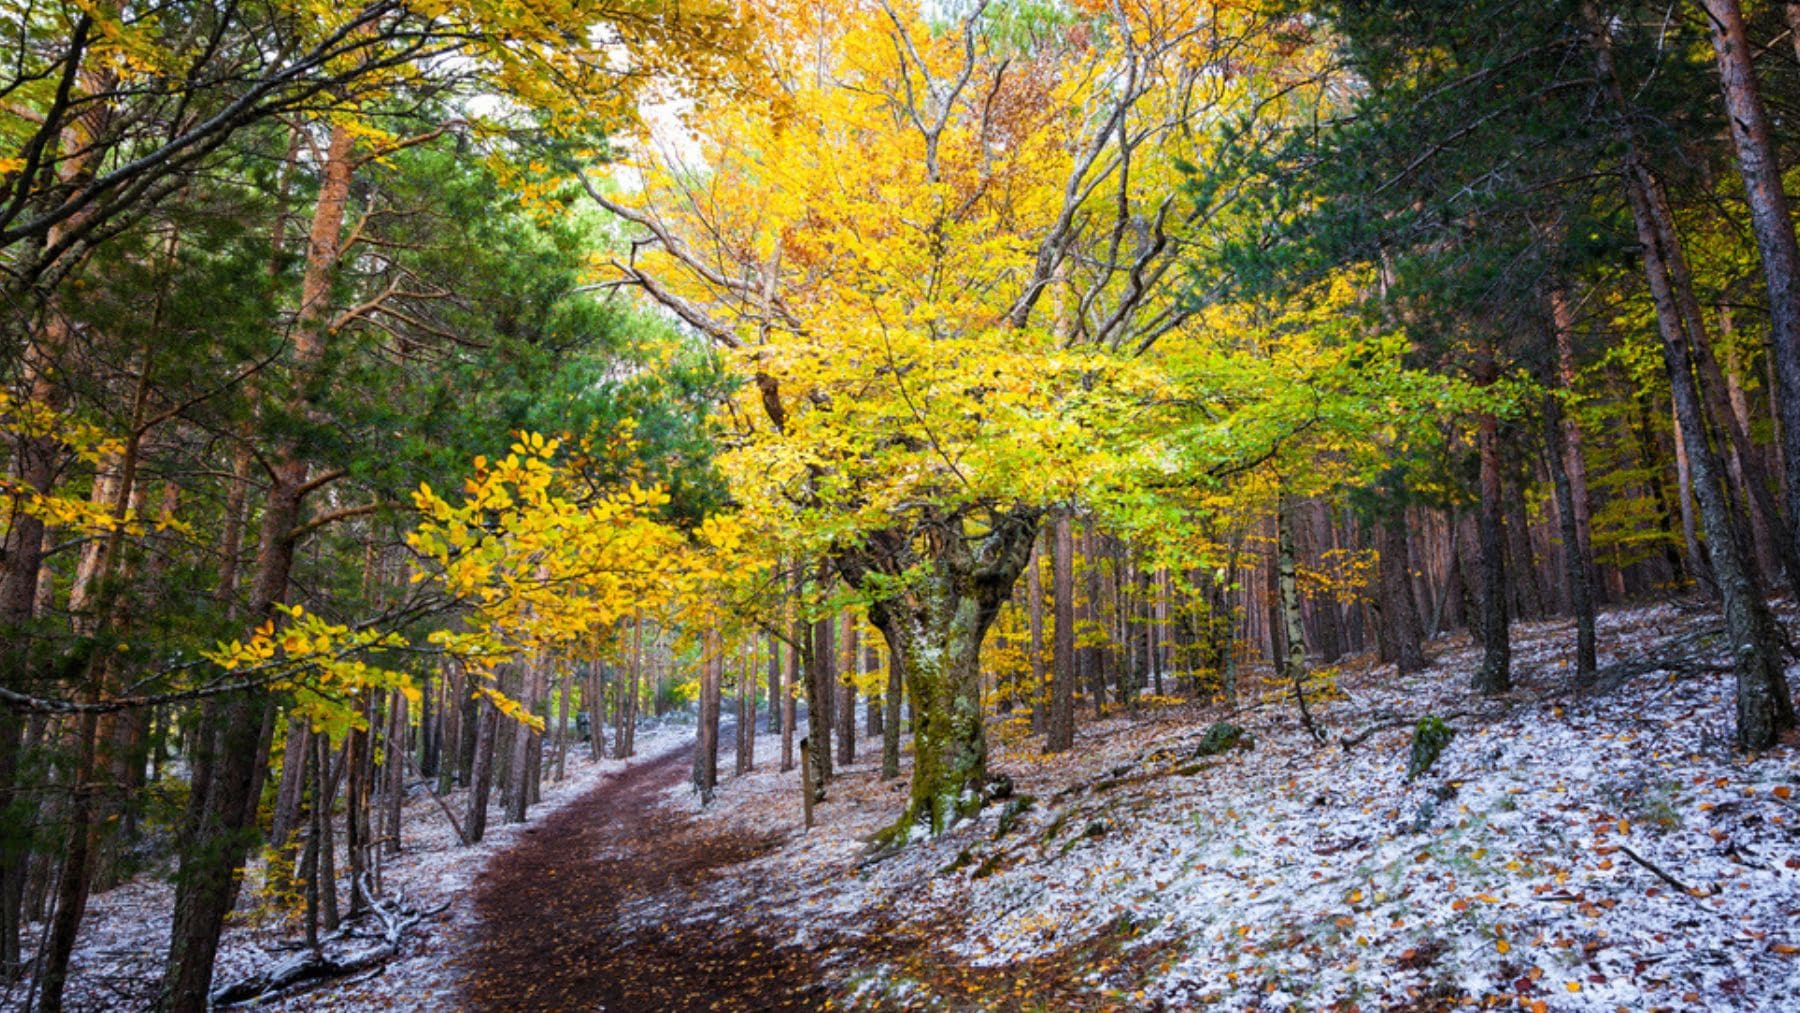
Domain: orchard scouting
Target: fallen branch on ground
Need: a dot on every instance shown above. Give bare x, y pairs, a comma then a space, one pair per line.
310, 967
1686, 891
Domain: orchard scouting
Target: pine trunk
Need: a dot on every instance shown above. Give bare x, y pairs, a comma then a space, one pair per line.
1765, 707
1576, 569
1401, 629
1771, 220
1495, 673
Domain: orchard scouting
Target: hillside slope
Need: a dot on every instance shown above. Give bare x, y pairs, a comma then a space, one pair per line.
1566, 851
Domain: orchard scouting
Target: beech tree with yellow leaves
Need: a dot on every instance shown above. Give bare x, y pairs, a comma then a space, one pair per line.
942, 253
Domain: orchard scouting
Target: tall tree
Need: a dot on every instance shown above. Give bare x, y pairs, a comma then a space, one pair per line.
1771, 220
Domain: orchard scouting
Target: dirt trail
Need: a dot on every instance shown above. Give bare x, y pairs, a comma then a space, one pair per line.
552, 937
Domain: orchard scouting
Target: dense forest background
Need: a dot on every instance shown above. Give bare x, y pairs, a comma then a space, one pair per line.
392, 391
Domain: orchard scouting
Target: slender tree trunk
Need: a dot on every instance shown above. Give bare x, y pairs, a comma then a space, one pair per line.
890, 726
791, 687
1402, 631
846, 695
747, 724
1574, 551
1495, 674
1034, 590
33, 463
289, 795
1061, 734
776, 690
1097, 654
745, 667
1528, 601
872, 710
1765, 707
1224, 621
97, 607
1771, 220
1293, 663
327, 861
818, 701
356, 810
395, 770
706, 748
626, 705
481, 776
1574, 462
429, 727
469, 728
565, 684
593, 701
309, 861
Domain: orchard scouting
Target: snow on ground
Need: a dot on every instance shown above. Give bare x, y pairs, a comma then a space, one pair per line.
1534, 866
124, 937
1567, 852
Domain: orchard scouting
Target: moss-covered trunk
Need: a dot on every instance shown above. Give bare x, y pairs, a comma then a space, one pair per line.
938, 652
934, 630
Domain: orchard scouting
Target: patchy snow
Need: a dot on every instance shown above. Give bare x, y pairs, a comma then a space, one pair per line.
1567, 851
124, 938
1527, 866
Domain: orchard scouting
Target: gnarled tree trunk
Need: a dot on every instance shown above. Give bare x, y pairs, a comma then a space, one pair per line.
934, 631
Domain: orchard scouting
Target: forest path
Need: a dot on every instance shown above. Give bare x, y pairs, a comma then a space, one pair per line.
561, 926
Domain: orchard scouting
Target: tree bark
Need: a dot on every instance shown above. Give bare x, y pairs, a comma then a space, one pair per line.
1402, 630
934, 631
1765, 707
1495, 674
797, 633
1096, 655
1576, 568
1293, 662
845, 695
394, 789
1569, 446
890, 726
1061, 734
221, 817
481, 774
819, 678
1771, 219
776, 691
706, 748
1034, 591
1224, 622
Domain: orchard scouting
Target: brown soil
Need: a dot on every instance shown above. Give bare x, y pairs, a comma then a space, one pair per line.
551, 936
